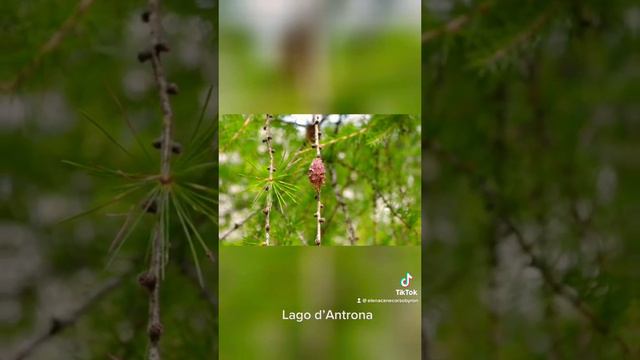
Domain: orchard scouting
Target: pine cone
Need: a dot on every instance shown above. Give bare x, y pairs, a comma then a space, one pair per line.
316, 173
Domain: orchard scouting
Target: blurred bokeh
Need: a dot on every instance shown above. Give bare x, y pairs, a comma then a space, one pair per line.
372, 166
341, 56
49, 269
530, 169
257, 283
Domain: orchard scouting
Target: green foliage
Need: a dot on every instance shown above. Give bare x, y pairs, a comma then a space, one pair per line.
376, 163
77, 135
529, 116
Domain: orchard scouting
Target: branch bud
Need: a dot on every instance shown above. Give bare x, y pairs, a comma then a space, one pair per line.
172, 89
147, 281
144, 56
161, 47
155, 331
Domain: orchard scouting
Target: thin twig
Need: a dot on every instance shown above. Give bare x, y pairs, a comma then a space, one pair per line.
155, 328
379, 194
53, 43
269, 187
236, 226
561, 289
59, 324
456, 24
491, 199
519, 39
343, 206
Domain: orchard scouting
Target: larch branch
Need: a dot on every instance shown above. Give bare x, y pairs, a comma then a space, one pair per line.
456, 24
152, 277
491, 199
269, 187
378, 193
343, 207
520, 38
237, 225
51, 45
59, 324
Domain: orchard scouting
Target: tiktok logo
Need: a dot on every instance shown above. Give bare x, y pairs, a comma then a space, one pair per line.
406, 281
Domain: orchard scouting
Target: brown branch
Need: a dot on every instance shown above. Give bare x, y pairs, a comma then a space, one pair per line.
380, 195
59, 324
151, 280
343, 206
269, 188
155, 328
52, 44
491, 199
561, 289
456, 24
237, 225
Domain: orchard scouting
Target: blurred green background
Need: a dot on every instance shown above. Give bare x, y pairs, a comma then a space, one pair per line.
376, 163
49, 269
530, 169
344, 56
256, 284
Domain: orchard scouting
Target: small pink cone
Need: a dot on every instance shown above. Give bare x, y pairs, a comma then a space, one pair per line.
316, 173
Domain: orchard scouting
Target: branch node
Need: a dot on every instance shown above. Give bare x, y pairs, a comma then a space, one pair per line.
172, 89
155, 331
144, 56
160, 48
147, 281
56, 325
176, 148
